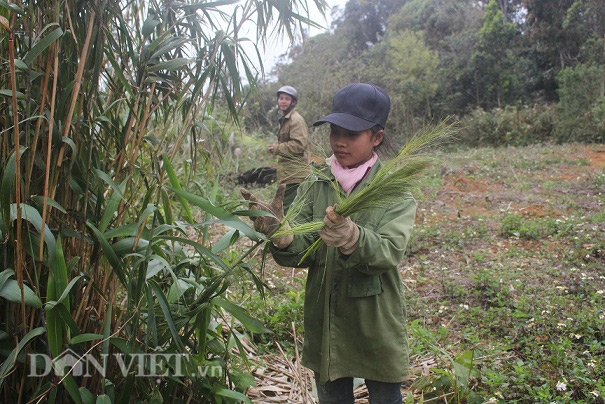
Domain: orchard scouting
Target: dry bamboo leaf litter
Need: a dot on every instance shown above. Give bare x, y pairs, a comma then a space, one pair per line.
282, 379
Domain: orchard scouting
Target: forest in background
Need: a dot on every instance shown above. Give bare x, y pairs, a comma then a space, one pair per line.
513, 71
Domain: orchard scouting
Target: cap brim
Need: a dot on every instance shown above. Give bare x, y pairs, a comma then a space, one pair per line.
347, 121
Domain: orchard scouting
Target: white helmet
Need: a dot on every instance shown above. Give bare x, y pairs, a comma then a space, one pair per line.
291, 91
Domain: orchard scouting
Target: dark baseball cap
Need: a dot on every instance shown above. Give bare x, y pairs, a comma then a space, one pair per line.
358, 107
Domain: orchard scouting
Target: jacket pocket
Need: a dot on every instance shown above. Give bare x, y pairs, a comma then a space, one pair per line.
363, 285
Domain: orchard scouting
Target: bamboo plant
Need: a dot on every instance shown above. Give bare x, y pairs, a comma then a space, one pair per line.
96, 100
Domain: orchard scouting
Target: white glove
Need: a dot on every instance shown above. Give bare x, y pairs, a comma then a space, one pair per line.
339, 231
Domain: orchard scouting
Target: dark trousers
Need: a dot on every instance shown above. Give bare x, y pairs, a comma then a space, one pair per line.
340, 391
289, 196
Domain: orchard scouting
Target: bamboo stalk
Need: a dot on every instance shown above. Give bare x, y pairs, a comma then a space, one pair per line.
39, 121
19, 264
5, 24
129, 126
71, 27
141, 130
76, 90
49, 149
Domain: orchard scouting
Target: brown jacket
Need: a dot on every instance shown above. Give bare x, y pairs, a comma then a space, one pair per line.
292, 149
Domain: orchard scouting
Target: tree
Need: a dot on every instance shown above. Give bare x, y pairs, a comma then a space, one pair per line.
451, 28
494, 59
582, 104
512, 10
364, 22
410, 73
554, 45
585, 19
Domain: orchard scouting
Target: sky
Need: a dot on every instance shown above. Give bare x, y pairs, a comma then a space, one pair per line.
275, 49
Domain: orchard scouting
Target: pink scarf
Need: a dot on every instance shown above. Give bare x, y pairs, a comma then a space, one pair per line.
349, 177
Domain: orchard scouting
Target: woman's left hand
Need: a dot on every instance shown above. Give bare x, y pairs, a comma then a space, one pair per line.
339, 231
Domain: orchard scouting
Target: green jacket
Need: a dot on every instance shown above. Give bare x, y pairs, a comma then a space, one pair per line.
354, 313
292, 149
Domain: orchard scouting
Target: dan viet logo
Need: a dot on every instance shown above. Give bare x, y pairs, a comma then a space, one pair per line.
155, 364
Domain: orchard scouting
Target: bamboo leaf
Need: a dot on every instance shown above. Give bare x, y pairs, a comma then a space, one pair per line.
9, 94
72, 388
232, 65
39, 199
177, 289
5, 275
118, 71
32, 215
8, 186
200, 249
59, 269
151, 320
130, 229
171, 44
103, 399
87, 396
11, 7
12, 292
72, 264
112, 206
10, 361
227, 240
173, 64
148, 26
51, 304
107, 329
238, 312
163, 38
110, 254
109, 181
127, 246
225, 217
174, 181
85, 338
167, 206
42, 45
54, 327
229, 99
167, 314
68, 320
149, 210
232, 394
20, 65
71, 145
209, 4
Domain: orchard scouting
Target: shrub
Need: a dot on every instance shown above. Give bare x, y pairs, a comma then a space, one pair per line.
581, 109
511, 125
